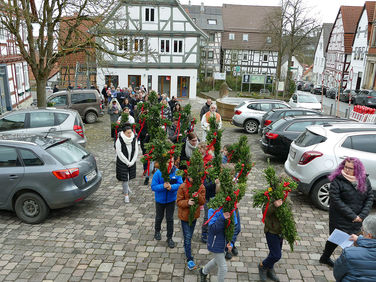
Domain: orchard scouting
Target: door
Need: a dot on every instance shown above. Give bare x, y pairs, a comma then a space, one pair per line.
134, 81
112, 80
13, 123
59, 101
359, 79
183, 86
11, 173
164, 85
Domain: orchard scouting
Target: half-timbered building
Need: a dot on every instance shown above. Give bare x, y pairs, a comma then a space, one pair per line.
360, 46
320, 54
161, 43
246, 42
339, 49
14, 74
209, 19
369, 81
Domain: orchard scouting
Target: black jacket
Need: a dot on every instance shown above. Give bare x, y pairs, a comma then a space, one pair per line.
205, 108
122, 170
346, 203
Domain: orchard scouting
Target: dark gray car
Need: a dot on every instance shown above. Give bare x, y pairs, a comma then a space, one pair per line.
40, 173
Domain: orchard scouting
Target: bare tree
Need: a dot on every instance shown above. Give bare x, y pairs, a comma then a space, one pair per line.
38, 35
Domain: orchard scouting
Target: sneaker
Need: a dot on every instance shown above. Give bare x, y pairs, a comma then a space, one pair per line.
327, 261
126, 199
262, 273
146, 182
191, 265
157, 236
170, 243
203, 277
228, 255
234, 251
272, 275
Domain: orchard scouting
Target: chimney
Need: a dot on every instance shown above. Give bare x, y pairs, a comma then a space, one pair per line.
202, 9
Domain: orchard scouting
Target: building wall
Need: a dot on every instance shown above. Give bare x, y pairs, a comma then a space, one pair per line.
296, 72
359, 52
209, 64
123, 74
319, 61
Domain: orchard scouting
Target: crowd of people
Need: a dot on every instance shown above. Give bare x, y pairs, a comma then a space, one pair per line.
351, 198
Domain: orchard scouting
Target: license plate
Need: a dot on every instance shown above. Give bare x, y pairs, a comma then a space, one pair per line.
90, 176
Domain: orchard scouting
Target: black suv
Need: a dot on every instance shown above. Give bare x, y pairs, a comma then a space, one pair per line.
277, 137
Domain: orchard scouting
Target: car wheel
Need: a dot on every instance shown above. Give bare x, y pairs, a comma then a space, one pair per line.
251, 126
91, 117
320, 194
31, 208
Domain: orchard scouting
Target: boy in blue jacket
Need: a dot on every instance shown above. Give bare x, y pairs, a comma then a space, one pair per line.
165, 197
216, 245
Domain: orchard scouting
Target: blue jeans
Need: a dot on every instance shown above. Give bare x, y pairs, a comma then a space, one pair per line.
188, 233
275, 249
204, 228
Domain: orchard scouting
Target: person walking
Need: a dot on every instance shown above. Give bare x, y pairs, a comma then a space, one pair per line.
351, 199
126, 152
114, 112
165, 197
205, 121
205, 108
184, 203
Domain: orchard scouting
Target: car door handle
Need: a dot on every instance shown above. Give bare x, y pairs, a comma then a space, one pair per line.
12, 177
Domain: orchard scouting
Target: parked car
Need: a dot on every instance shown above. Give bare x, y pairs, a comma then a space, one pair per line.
332, 93
276, 114
58, 122
366, 98
299, 85
248, 114
345, 95
40, 173
318, 151
87, 102
308, 101
277, 137
307, 87
317, 90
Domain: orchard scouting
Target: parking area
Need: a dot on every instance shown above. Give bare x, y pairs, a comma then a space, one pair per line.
102, 238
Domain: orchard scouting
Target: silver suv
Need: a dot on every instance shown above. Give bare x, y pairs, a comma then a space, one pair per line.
249, 114
39, 173
58, 122
318, 151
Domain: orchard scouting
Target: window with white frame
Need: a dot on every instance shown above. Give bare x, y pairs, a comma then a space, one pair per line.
164, 46
18, 77
245, 57
231, 36
268, 40
210, 54
245, 37
234, 56
149, 14
123, 44
265, 57
138, 45
178, 46
212, 21
212, 37
2, 32
362, 53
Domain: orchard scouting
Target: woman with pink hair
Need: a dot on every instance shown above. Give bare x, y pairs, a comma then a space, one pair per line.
351, 199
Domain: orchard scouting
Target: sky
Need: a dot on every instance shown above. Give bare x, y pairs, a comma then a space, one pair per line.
324, 10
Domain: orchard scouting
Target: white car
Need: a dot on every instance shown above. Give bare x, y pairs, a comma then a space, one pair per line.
319, 150
307, 101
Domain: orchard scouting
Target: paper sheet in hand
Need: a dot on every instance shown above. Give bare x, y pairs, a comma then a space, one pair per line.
340, 238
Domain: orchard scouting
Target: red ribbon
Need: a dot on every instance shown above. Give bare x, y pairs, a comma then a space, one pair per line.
240, 173
286, 193
116, 131
285, 184
142, 108
148, 158
217, 210
211, 145
228, 199
141, 128
192, 125
235, 205
266, 207
134, 129
230, 156
178, 128
171, 152
203, 178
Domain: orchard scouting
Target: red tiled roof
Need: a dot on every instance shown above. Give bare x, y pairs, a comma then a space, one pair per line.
350, 17
370, 7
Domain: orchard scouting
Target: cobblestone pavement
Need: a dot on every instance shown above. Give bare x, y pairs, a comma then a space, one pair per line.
102, 238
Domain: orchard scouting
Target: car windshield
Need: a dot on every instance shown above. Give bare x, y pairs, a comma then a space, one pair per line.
307, 99
67, 152
308, 138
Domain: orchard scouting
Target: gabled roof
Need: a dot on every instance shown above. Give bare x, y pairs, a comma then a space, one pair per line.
350, 17
202, 17
326, 29
247, 17
370, 7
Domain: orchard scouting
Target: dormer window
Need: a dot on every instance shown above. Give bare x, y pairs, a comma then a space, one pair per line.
149, 14
212, 21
